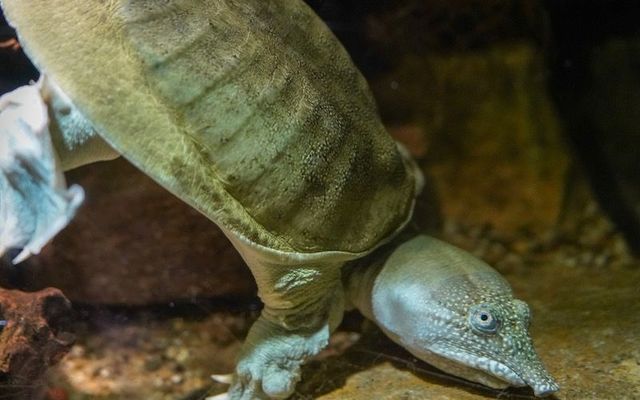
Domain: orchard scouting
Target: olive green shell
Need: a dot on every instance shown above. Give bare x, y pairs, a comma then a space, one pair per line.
249, 110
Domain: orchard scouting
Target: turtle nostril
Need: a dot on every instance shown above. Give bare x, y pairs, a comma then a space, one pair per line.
546, 389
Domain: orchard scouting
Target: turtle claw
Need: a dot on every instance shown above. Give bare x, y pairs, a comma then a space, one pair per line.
221, 396
224, 379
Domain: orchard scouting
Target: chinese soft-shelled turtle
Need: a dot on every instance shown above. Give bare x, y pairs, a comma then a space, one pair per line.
253, 113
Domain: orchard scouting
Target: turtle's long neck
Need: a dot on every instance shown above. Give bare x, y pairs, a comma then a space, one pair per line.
417, 272
359, 276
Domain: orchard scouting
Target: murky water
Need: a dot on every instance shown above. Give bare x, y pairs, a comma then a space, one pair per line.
528, 139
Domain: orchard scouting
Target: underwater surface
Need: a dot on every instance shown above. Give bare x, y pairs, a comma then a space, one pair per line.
523, 115
586, 319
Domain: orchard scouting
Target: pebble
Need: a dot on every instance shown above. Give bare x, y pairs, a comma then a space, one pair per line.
158, 382
56, 393
78, 351
153, 363
179, 354
104, 373
177, 379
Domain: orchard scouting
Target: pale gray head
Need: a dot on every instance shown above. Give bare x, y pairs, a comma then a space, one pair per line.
456, 313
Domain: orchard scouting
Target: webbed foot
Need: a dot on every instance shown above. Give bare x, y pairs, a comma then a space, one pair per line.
269, 365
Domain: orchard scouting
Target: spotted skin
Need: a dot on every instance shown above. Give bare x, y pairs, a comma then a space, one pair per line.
453, 311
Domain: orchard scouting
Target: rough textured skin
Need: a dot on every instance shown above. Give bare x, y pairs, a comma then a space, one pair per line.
208, 76
453, 311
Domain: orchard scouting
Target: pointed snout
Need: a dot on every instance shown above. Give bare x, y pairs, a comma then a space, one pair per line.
537, 377
545, 388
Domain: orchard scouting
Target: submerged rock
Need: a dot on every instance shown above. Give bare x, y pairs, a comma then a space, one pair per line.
33, 337
493, 141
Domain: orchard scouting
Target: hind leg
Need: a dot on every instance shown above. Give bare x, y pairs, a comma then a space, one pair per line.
302, 306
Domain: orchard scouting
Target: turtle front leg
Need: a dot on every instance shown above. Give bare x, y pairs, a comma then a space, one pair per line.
35, 203
303, 304
42, 134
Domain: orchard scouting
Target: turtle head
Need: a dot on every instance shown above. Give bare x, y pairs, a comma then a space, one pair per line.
454, 312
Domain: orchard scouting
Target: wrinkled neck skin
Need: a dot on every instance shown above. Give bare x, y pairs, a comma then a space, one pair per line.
451, 310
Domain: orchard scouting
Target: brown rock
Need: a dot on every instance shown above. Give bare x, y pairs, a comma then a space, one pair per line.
492, 141
57, 393
32, 339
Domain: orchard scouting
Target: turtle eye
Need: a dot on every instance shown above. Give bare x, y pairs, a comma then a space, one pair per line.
483, 319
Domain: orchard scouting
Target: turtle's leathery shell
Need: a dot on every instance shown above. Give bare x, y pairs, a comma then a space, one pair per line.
250, 111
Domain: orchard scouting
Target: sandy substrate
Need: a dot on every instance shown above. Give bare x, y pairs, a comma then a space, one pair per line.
584, 293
